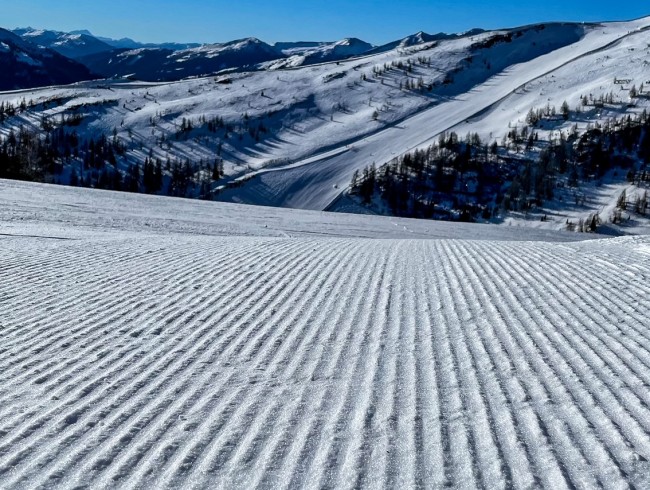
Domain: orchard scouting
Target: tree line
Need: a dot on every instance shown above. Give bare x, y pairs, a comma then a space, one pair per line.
58, 154
467, 179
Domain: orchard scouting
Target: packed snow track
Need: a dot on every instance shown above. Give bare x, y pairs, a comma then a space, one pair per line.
140, 357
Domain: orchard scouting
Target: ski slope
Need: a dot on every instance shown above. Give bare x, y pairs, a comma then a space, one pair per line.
161, 343
316, 182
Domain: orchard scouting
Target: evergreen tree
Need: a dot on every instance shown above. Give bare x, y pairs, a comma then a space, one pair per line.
565, 110
621, 203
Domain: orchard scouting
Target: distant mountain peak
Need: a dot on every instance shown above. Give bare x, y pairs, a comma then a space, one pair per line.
26, 64
70, 44
84, 32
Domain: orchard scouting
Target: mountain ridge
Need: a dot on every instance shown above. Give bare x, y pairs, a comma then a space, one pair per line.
26, 65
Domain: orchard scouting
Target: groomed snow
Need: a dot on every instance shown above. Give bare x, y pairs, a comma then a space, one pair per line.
160, 343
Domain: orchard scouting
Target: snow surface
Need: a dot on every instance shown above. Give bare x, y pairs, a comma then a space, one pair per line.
322, 52
161, 343
41, 209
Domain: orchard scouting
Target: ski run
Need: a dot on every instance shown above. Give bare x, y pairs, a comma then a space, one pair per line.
150, 342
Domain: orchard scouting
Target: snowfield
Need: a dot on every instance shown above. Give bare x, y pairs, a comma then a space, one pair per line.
150, 342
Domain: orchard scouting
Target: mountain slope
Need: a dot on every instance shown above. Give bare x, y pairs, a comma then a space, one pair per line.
298, 47
303, 55
70, 45
141, 64
127, 43
294, 137
75, 44
157, 64
148, 344
314, 183
26, 65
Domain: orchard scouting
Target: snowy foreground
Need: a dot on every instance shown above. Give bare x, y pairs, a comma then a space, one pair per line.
150, 342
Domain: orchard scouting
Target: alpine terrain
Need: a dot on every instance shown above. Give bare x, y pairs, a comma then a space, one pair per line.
212, 274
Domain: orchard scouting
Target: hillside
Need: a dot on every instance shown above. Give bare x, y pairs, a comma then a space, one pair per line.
164, 343
303, 55
160, 64
73, 46
485, 107
173, 63
294, 136
27, 65
128, 43
80, 43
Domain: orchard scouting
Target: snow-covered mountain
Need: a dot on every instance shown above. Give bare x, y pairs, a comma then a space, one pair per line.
162, 64
420, 38
306, 54
299, 47
72, 45
294, 137
157, 64
26, 65
82, 42
128, 43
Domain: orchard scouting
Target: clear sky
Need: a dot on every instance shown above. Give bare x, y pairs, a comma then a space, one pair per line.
376, 21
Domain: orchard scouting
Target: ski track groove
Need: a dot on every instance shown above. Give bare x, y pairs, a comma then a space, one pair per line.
577, 414
460, 461
254, 362
430, 298
523, 423
308, 456
367, 448
303, 333
578, 347
159, 375
226, 349
617, 416
191, 401
516, 470
428, 466
542, 391
482, 438
347, 423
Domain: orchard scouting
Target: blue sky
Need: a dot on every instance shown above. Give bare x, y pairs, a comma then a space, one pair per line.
376, 21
